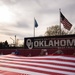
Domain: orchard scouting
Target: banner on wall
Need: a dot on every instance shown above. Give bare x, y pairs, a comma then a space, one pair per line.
64, 41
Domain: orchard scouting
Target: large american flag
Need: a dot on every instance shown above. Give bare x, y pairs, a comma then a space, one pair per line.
65, 22
39, 65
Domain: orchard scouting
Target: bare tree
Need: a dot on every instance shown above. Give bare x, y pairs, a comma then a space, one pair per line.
54, 30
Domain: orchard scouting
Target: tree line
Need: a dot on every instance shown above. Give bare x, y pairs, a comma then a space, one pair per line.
4, 44
55, 30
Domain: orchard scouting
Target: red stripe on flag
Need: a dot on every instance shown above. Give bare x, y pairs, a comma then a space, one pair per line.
51, 65
65, 22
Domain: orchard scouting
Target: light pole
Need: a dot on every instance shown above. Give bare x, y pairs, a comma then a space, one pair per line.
15, 40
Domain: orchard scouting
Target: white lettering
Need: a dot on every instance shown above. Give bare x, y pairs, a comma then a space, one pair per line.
71, 42
36, 44
45, 43
63, 43
41, 43
56, 42
50, 43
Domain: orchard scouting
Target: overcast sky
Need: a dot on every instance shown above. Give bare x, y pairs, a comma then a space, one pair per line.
17, 16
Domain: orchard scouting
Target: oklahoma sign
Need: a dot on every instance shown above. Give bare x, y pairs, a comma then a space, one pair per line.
67, 41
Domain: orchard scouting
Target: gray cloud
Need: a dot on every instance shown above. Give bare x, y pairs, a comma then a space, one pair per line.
10, 2
46, 13
22, 25
10, 33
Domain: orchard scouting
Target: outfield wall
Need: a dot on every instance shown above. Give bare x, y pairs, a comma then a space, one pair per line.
37, 52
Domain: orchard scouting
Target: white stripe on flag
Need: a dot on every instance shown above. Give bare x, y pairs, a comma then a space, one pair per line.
21, 71
41, 65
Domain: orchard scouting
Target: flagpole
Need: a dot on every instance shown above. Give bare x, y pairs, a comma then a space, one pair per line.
34, 27
60, 20
59, 23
